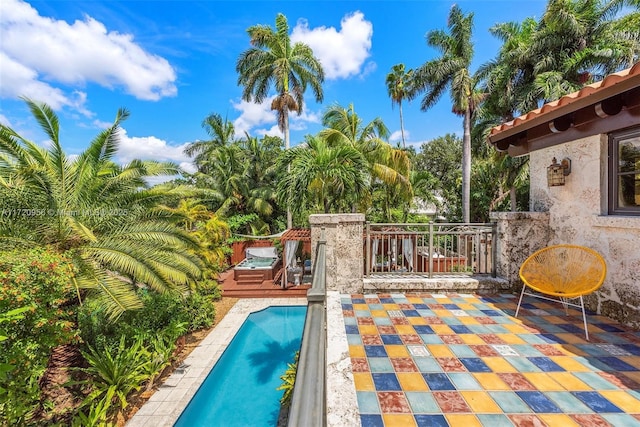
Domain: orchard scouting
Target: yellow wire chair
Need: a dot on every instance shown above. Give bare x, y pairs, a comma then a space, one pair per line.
566, 272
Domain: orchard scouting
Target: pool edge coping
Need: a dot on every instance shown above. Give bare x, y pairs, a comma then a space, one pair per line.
341, 397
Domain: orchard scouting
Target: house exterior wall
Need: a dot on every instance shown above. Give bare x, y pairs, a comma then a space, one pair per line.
519, 234
578, 215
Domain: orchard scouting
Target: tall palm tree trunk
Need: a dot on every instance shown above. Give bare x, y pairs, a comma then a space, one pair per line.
466, 166
404, 145
287, 144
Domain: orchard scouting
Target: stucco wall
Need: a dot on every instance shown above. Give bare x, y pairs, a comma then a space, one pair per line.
578, 215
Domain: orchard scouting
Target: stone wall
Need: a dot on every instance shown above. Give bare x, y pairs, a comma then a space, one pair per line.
344, 250
578, 215
519, 235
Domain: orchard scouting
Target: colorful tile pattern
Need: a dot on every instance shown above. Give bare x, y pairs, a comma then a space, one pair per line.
465, 360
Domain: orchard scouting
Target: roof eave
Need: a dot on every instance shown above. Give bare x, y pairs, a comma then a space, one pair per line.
598, 95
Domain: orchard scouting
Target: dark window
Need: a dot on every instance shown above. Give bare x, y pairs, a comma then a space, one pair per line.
624, 172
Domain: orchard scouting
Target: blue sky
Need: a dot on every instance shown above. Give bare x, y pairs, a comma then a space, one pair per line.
171, 63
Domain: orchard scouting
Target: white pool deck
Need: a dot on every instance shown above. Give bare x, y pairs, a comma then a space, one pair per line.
167, 403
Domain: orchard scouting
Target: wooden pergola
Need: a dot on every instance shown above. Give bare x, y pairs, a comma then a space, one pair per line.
298, 235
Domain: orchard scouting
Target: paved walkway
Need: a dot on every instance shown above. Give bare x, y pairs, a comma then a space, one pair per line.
465, 360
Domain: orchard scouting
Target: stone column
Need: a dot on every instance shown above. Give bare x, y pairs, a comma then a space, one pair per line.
344, 234
519, 235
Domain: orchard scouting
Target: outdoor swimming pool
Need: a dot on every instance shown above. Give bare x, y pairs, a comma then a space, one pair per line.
241, 390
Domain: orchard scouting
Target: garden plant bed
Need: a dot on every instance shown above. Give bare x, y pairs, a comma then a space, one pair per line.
58, 372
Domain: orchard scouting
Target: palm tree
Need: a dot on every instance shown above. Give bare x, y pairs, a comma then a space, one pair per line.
385, 164
322, 177
425, 186
237, 177
221, 132
225, 174
398, 86
574, 43
451, 70
100, 213
273, 61
188, 213
581, 41
193, 216
508, 79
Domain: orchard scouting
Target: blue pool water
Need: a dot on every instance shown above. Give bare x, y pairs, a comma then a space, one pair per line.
241, 390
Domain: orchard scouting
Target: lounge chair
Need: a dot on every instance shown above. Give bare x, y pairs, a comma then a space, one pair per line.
566, 272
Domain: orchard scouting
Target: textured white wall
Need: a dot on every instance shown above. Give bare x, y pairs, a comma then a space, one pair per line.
578, 215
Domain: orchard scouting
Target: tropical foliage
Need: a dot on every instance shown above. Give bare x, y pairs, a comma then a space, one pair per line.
387, 166
290, 68
574, 43
322, 178
288, 381
441, 159
36, 280
451, 71
86, 240
274, 61
237, 177
99, 212
399, 82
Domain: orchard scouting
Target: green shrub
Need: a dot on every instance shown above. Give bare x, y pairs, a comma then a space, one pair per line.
98, 332
38, 279
158, 354
114, 374
95, 416
288, 381
166, 315
200, 311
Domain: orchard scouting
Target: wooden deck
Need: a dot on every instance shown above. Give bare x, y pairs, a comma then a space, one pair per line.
263, 289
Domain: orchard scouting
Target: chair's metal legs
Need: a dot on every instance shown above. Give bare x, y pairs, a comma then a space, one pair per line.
520, 300
584, 319
564, 301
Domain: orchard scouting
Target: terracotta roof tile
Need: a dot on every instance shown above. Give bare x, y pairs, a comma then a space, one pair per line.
297, 234
588, 90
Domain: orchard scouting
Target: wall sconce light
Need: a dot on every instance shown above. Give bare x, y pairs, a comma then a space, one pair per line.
557, 171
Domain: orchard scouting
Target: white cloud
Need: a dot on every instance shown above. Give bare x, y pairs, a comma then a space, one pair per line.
19, 80
39, 52
272, 131
395, 136
100, 124
342, 53
256, 118
299, 122
253, 115
369, 68
152, 148
4, 120
188, 167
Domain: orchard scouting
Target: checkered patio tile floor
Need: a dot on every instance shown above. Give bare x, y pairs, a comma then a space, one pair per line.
465, 360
